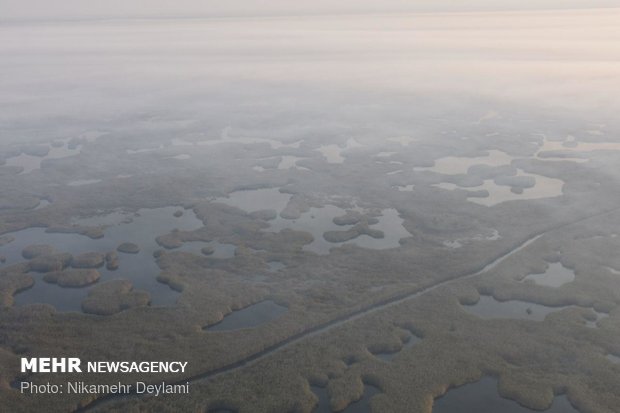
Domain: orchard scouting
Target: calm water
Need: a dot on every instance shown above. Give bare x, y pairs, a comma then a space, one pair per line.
360, 406
482, 397
544, 186
140, 268
317, 221
251, 316
219, 250
490, 308
556, 276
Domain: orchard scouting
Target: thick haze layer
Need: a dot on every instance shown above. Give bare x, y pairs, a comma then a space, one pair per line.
113, 70
68, 9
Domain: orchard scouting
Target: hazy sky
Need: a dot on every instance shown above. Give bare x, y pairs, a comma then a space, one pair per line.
68, 9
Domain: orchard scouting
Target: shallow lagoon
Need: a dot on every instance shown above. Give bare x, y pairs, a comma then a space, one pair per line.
360, 406
333, 153
31, 163
545, 187
141, 269
555, 276
220, 250
256, 199
318, 221
482, 397
249, 317
490, 308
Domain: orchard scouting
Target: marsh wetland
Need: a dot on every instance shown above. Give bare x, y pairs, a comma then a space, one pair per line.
378, 232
